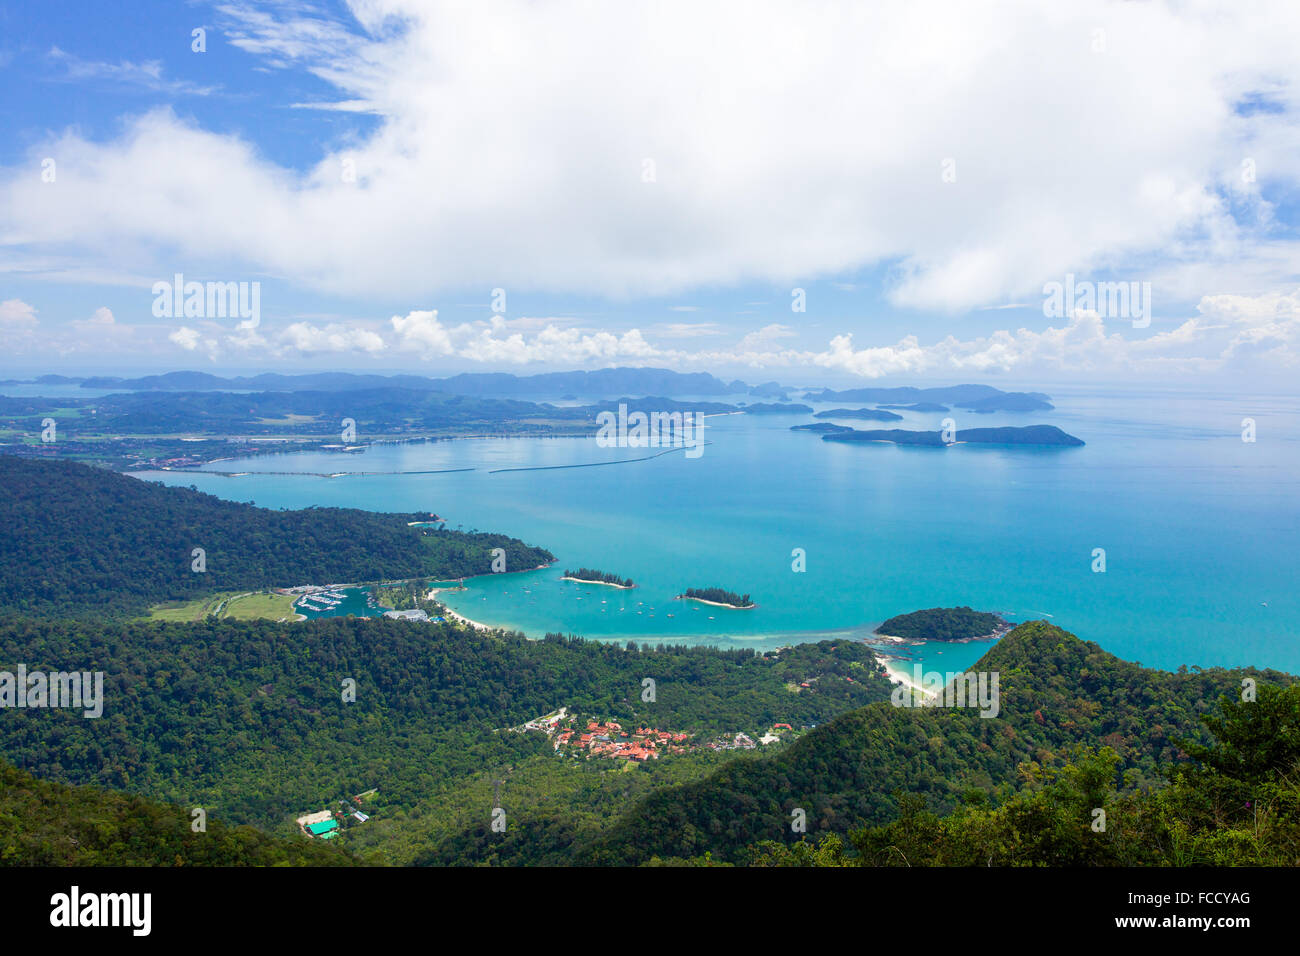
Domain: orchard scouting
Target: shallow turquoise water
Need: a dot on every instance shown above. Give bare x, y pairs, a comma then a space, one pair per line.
1199, 527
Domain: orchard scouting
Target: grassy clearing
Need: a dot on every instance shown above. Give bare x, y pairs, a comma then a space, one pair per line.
265, 605
241, 606
195, 610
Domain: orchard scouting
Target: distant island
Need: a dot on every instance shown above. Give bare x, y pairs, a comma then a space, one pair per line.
776, 408
919, 407
965, 396
592, 576
771, 390
718, 597
1009, 402
870, 414
944, 624
827, 427
1007, 435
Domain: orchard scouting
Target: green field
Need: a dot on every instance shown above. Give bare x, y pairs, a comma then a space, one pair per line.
265, 605
241, 606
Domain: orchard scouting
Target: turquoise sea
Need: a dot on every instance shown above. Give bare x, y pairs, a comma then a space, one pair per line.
1199, 528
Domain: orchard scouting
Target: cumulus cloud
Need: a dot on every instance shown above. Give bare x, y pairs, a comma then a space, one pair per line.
186, 338
15, 312
975, 155
1256, 333
306, 338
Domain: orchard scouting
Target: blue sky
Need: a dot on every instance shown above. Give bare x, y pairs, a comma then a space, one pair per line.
651, 184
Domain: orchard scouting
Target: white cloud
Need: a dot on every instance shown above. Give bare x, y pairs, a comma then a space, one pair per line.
687, 330
765, 338
422, 332
17, 312
1259, 334
147, 75
306, 338
789, 141
186, 338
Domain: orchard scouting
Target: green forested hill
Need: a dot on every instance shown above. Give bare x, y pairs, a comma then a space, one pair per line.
52, 824
1056, 692
1238, 804
249, 717
83, 541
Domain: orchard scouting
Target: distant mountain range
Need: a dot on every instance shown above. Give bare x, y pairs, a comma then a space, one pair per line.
600, 383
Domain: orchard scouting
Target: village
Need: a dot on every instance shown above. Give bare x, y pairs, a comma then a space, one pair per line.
575, 736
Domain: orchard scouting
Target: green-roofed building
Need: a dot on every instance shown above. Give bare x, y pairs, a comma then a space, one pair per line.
323, 829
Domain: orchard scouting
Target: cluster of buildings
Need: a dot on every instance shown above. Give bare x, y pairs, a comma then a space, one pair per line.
327, 824
611, 740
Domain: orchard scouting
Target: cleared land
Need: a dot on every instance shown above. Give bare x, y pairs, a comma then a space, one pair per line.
242, 606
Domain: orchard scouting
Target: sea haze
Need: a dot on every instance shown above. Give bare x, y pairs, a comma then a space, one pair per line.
1199, 527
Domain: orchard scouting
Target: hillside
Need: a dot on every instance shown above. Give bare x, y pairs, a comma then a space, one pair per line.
52, 824
83, 541
248, 716
1056, 692
1238, 804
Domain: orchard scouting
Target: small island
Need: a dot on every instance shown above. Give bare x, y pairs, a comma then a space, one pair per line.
958, 624
919, 407
870, 414
592, 576
1009, 402
718, 598
825, 427
776, 408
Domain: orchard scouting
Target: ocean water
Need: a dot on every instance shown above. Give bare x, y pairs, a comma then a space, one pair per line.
1199, 528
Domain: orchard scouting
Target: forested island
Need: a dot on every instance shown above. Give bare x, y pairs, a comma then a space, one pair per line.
592, 576
870, 414
1007, 435
775, 408
718, 596
944, 624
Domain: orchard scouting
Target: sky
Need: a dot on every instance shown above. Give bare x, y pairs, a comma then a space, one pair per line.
799, 191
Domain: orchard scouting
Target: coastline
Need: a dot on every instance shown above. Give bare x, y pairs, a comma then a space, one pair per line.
432, 594
899, 676
913, 641
462, 619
